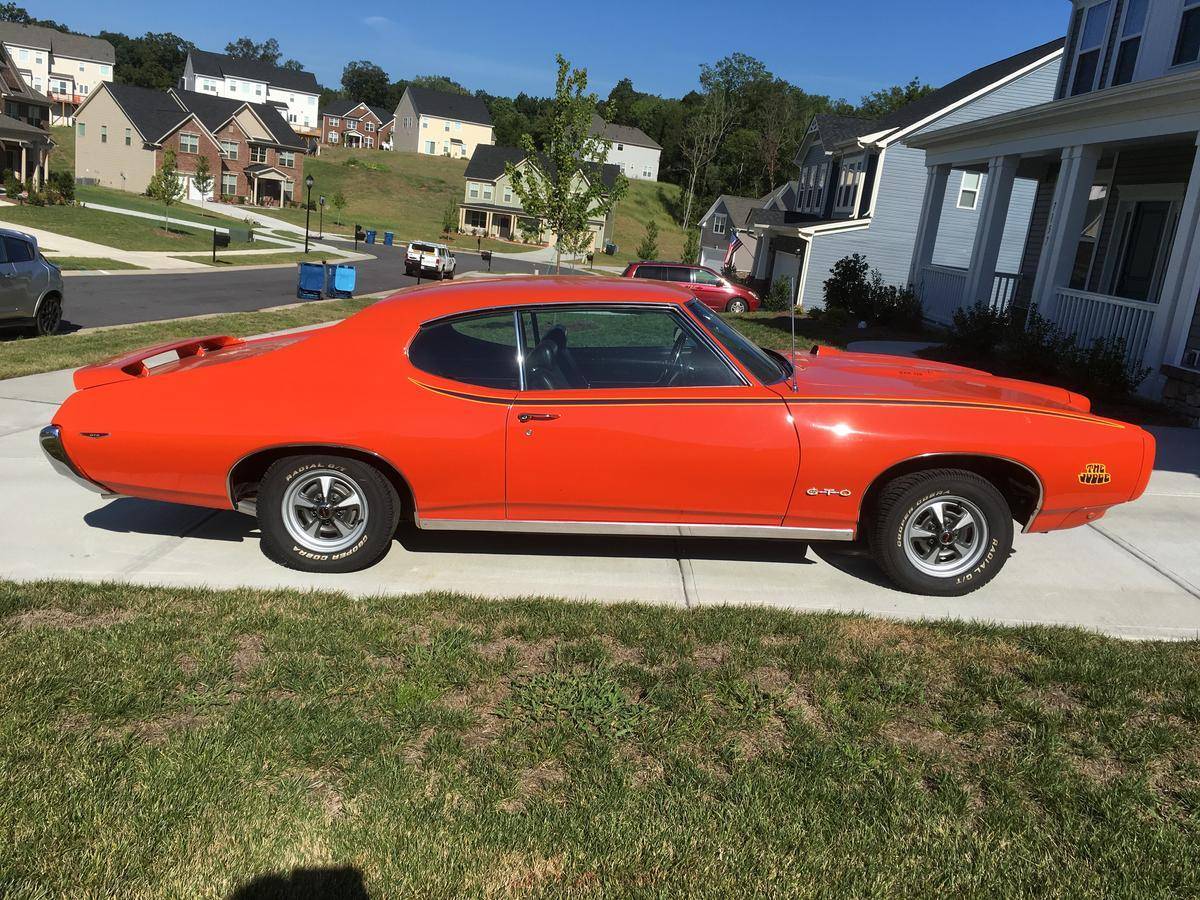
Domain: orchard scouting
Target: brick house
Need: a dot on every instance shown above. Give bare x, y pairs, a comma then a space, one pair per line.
345, 123
123, 133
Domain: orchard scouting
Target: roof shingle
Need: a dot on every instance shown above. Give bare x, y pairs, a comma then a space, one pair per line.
446, 105
220, 64
60, 43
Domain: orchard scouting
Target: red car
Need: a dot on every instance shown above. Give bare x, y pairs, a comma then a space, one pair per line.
713, 290
589, 405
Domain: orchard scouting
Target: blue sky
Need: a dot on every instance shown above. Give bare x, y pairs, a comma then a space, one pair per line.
841, 49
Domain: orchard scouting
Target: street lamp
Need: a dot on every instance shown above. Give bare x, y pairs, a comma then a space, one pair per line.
321, 205
308, 183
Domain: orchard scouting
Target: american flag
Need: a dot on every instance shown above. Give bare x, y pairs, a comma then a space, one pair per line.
734, 244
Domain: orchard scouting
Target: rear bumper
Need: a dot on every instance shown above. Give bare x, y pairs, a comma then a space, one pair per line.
52, 445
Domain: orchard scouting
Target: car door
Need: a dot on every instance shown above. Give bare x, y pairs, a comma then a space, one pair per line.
630, 413
9, 296
17, 274
709, 289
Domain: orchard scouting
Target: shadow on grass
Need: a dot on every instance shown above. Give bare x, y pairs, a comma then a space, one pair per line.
342, 883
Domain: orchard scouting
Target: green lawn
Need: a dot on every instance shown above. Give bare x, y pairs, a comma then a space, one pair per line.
109, 229
90, 263
167, 742
139, 202
261, 259
69, 351
62, 157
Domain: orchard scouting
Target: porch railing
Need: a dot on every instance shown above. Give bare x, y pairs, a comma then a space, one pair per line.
943, 289
1089, 317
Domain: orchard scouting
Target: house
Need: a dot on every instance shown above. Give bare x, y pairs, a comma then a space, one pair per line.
632, 150
24, 125
350, 124
441, 123
723, 227
65, 67
122, 133
293, 91
1113, 246
861, 184
492, 208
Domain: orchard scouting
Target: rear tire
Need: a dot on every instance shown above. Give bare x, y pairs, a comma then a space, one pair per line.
321, 513
941, 533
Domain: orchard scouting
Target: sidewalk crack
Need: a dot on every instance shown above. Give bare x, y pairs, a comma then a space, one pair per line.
1177, 580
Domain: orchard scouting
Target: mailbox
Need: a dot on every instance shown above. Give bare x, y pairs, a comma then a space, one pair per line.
220, 239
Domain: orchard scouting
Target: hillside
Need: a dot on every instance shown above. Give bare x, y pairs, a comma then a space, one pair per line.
408, 193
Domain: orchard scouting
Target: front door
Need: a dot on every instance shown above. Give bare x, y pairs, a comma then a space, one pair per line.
709, 289
629, 414
1147, 226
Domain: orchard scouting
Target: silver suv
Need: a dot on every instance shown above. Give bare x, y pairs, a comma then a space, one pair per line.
31, 288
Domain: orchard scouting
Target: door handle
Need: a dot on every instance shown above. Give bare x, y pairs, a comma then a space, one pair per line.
536, 417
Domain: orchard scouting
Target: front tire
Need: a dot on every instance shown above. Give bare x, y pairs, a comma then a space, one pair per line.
737, 306
48, 318
941, 533
322, 513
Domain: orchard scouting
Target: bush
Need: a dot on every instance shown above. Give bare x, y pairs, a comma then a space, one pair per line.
1037, 348
13, 186
36, 198
61, 186
1103, 368
978, 330
899, 307
849, 286
779, 296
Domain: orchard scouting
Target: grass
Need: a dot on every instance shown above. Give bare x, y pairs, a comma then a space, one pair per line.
109, 229
261, 259
68, 351
177, 742
86, 193
90, 263
62, 157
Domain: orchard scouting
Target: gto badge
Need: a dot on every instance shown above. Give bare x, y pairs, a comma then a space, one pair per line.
827, 492
1095, 473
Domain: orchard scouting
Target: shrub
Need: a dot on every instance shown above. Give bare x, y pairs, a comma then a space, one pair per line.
899, 307
13, 187
779, 296
62, 186
830, 316
978, 330
648, 248
849, 286
1039, 347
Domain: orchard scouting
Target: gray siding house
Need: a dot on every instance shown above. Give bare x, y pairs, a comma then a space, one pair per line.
861, 185
722, 227
1112, 249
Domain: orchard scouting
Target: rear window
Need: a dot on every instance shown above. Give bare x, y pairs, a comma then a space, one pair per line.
479, 350
18, 251
424, 248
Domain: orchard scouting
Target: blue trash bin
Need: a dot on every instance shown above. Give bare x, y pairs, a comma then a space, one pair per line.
371, 236
388, 237
310, 281
340, 281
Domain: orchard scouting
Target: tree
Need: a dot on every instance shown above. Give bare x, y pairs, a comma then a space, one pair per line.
202, 178
365, 82
339, 204
450, 217
562, 186
10, 12
292, 65
885, 100
691, 247
247, 48
166, 186
648, 248
703, 135
151, 61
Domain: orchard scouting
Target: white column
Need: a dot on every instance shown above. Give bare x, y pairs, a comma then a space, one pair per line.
24, 171
989, 233
931, 220
1181, 283
1067, 214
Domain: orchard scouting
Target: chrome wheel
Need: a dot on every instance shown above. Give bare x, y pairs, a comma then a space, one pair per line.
946, 536
737, 306
324, 511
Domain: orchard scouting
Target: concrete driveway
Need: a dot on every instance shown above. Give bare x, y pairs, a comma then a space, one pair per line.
1134, 574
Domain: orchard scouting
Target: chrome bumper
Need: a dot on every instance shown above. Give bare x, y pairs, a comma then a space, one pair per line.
56, 453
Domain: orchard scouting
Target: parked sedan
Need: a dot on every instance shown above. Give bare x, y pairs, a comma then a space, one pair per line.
599, 406
31, 287
713, 290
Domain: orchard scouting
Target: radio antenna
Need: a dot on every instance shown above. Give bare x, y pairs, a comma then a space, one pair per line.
795, 383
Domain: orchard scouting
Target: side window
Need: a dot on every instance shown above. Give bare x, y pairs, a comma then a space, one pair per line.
678, 273
18, 251
699, 276
653, 272
478, 350
577, 349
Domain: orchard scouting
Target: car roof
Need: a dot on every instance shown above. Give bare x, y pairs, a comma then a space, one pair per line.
12, 232
660, 262
429, 244
437, 300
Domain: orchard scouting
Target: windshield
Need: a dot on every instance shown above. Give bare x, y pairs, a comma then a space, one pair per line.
761, 365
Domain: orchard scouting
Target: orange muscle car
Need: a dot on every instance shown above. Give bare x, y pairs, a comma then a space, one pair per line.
598, 406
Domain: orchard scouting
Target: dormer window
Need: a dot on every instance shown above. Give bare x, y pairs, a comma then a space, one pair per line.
718, 226
1130, 41
1187, 47
1091, 47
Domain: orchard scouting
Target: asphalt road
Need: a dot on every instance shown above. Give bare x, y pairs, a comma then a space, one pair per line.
93, 300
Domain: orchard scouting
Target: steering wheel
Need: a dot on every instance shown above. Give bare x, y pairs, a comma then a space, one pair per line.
675, 366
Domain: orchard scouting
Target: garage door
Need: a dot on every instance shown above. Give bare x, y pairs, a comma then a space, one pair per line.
192, 192
713, 257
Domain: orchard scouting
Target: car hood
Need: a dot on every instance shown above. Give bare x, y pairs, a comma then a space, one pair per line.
832, 374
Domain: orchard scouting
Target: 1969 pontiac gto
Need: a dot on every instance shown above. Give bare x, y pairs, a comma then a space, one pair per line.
597, 406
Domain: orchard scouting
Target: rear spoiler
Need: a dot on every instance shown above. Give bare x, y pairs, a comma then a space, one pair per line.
133, 365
